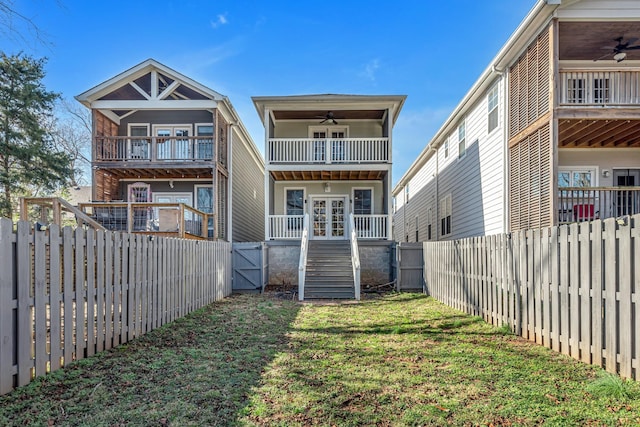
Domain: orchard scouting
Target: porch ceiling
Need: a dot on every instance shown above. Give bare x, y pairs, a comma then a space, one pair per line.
321, 114
586, 40
588, 133
317, 175
143, 173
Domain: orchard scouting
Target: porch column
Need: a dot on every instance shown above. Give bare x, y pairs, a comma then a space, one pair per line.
267, 172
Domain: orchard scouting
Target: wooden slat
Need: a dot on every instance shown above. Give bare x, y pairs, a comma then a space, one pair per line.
79, 293
8, 305
625, 315
610, 312
564, 289
109, 287
554, 290
23, 258
55, 297
585, 292
90, 306
574, 289
68, 285
100, 267
597, 264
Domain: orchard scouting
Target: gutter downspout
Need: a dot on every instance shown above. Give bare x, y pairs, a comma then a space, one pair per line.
504, 77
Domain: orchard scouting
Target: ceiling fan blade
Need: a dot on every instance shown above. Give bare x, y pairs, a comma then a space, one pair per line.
632, 48
604, 56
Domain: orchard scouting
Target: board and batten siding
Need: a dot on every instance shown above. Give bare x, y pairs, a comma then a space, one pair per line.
248, 193
475, 182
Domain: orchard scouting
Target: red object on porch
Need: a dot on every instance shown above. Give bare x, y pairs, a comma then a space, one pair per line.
583, 212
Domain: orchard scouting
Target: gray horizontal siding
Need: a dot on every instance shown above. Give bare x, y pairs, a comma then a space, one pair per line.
248, 195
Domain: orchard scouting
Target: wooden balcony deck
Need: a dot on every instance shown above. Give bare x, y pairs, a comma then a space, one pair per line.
153, 149
341, 151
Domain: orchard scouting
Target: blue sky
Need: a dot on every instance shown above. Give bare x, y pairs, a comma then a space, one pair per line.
431, 51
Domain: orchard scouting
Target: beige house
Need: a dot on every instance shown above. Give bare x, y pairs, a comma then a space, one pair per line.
328, 175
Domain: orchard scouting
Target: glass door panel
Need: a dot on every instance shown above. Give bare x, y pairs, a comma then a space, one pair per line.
320, 218
337, 218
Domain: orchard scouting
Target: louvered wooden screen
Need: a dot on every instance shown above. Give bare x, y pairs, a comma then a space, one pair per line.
106, 187
530, 181
106, 127
529, 85
222, 137
222, 205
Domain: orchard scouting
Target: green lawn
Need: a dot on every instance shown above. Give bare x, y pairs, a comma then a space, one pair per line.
398, 360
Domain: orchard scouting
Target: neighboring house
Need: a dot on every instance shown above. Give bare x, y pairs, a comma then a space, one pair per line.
328, 158
549, 134
171, 156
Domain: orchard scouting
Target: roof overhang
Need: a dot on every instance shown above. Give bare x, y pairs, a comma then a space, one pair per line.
345, 107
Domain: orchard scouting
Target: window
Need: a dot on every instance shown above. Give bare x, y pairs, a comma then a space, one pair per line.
294, 202
337, 147
492, 107
139, 148
576, 178
462, 141
445, 215
417, 229
429, 221
406, 194
576, 91
362, 201
204, 203
394, 206
600, 91
173, 142
446, 148
204, 146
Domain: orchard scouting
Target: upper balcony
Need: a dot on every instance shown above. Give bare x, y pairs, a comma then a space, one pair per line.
599, 88
147, 150
310, 151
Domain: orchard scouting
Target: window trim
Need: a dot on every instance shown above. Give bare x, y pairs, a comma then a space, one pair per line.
494, 93
195, 196
445, 146
448, 208
304, 199
594, 170
353, 198
462, 152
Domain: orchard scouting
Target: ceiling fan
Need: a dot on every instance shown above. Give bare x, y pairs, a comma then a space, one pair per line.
328, 118
619, 51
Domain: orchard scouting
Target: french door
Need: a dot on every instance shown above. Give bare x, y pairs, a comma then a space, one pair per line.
173, 142
328, 215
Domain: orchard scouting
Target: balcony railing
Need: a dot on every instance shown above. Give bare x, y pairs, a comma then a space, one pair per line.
290, 226
600, 88
328, 151
578, 204
169, 219
153, 149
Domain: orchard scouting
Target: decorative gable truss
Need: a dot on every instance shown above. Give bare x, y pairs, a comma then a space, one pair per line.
149, 85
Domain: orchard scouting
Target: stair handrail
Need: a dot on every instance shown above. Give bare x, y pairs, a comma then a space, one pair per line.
302, 265
355, 256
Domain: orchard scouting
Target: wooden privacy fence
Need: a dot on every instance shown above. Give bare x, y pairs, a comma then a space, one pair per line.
573, 288
66, 294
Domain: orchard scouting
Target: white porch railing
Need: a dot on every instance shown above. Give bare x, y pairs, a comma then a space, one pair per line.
355, 257
578, 204
371, 226
328, 151
302, 265
602, 87
366, 226
285, 226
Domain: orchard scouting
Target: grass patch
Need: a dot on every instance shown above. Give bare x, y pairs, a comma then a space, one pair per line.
400, 360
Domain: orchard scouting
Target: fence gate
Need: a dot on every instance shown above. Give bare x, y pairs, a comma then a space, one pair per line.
409, 267
249, 266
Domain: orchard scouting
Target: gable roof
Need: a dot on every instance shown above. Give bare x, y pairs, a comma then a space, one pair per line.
127, 77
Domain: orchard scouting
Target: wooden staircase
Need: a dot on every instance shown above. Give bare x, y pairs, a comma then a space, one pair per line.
329, 270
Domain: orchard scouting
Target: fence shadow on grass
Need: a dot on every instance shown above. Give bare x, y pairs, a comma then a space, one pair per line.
199, 370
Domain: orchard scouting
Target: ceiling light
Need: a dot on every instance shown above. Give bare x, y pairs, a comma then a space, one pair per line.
620, 56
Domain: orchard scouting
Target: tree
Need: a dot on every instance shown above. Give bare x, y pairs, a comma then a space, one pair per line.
28, 157
71, 131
